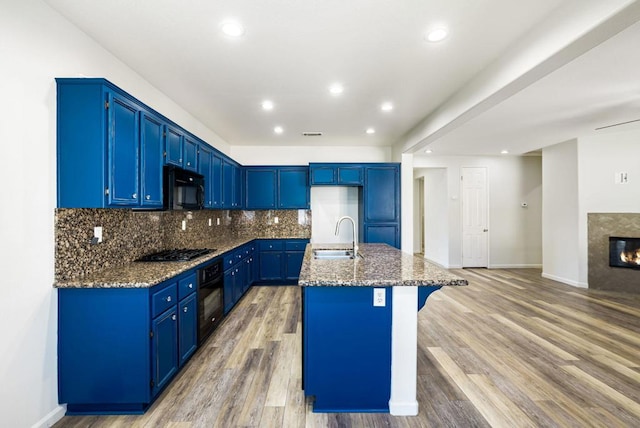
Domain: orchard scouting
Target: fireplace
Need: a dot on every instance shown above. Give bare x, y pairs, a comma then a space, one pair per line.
624, 252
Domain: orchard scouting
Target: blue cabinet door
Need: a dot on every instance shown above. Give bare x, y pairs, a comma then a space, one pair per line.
270, 266
293, 188
350, 175
190, 154
229, 285
188, 325
382, 194
382, 234
260, 188
292, 264
123, 152
216, 181
227, 184
205, 159
173, 146
164, 354
238, 282
324, 174
151, 149
238, 186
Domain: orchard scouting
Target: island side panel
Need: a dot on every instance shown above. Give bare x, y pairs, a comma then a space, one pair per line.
347, 355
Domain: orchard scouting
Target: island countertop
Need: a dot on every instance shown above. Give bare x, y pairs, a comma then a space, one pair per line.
378, 265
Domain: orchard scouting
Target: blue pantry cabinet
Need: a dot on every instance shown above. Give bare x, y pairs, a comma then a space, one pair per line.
119, 347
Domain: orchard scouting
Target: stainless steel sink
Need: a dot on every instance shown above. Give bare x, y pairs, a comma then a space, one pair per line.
333, 254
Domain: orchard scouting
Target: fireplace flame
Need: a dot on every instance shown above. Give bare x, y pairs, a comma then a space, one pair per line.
631, 257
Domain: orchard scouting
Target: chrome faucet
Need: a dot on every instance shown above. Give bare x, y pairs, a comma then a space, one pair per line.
355, 236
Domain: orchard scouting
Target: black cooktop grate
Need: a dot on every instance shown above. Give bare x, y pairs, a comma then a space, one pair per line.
176, 255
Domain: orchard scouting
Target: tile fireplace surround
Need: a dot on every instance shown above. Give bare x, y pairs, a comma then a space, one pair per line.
601, 275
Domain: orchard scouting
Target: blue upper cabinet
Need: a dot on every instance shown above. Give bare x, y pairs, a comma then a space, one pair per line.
151, 136
190, 154
231, 184
277, 187
205, 168
293, 188
173, 146
216, 180
336, 174
382, 194
124, 151
107, 147
260, 188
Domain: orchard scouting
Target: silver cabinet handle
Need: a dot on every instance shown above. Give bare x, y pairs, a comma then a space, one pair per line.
185, 309
213, 319
134, 196
148, 197
168, 298
173, 317
190, 285
188, 163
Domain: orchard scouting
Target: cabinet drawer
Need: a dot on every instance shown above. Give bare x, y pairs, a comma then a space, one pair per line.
163, 299
271, 245
229, 259
295, 245
187, 286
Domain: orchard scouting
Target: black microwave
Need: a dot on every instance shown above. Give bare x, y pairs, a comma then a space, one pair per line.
182, 189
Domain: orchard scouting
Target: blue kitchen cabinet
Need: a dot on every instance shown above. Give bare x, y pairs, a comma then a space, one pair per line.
277, 187
261, 191
280, 260
205, 168
347, 355
231, 185
119, 347
382, 194
322, 174
151, 150
238, 187
216, 180
124, 149
190, 153
107, 147
174, 139
351, 175
382, 233
293, 187
164, 349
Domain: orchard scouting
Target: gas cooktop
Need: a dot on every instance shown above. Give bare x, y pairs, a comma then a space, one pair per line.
175, 255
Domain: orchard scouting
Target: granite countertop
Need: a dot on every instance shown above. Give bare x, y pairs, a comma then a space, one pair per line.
146, 274
377, 265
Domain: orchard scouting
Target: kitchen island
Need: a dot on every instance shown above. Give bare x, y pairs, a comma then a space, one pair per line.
360, 327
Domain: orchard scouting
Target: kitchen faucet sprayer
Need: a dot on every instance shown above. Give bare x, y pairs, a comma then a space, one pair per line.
355, 236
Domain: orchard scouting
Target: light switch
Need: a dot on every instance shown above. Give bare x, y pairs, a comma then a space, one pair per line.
97, 234
379, 297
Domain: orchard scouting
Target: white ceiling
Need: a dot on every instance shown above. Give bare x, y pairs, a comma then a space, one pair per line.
293, 50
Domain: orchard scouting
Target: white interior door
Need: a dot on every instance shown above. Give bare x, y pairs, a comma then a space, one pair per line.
475, 225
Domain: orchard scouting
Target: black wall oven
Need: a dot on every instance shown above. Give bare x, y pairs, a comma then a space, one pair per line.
210, 299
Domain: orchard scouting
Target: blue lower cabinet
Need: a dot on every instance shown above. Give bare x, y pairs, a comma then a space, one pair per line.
119, 347
280, 260
229, 287
188, 324
164, 349
347, 355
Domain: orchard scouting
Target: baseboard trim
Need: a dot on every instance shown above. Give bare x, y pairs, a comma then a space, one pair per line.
403, 408
516, 266
52, 417
565, 280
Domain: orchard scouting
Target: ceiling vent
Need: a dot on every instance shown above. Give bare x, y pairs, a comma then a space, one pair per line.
312, 134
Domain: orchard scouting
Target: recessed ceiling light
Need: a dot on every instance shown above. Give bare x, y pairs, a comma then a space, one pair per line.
386, 107
428, 151
267, 105
278, 130
436, 34
232, 28
505, 152
336, 89
370, 131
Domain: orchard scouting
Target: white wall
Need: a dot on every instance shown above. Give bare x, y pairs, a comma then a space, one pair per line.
37, 45
436, 219
302, 155
328, 204
514, 232
578, 178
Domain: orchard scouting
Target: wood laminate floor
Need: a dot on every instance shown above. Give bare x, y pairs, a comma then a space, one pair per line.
510, 350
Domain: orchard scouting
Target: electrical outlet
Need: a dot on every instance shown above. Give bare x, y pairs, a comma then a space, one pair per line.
210, 223
379, 297
218, 221
97, 234
276, 220
184, 224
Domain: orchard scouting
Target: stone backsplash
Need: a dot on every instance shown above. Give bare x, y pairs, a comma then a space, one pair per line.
128, 234
602, 276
